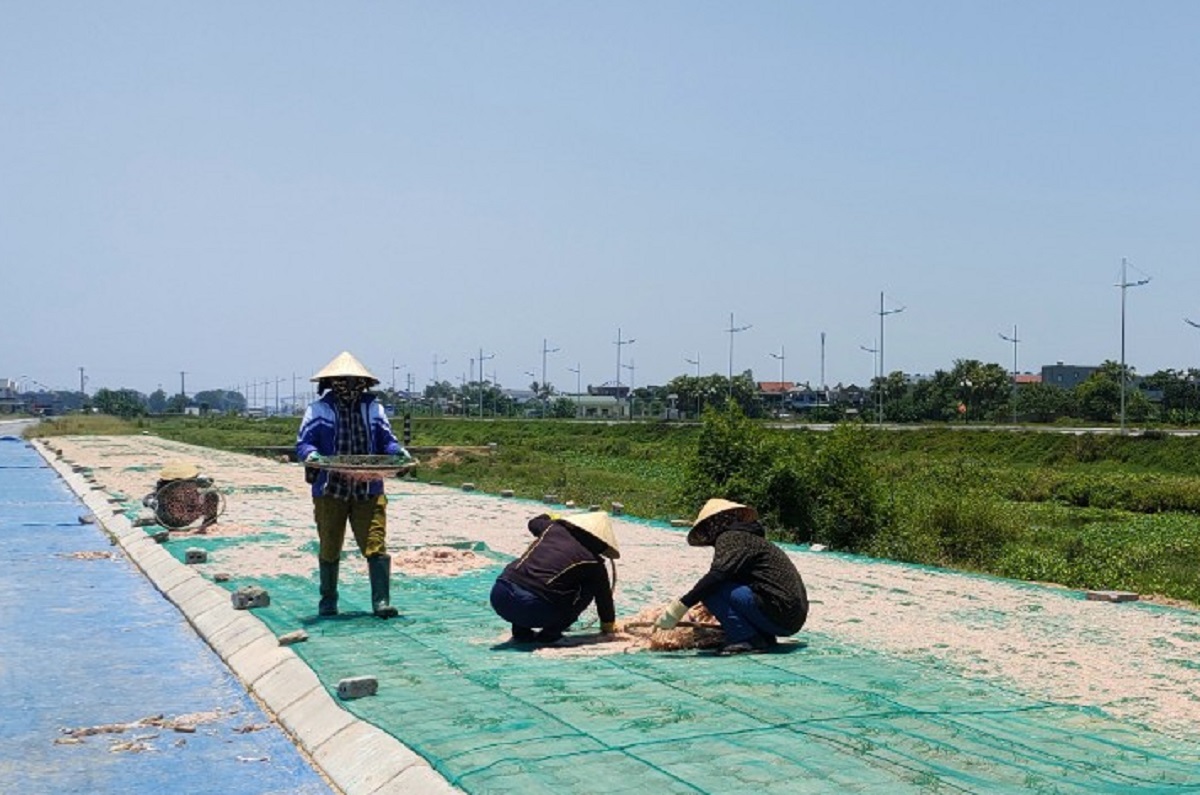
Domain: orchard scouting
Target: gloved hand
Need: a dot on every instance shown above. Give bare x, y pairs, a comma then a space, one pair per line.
671, 615
312, 458
608, 627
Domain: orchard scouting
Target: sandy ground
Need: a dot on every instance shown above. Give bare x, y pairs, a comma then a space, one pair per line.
1137, 663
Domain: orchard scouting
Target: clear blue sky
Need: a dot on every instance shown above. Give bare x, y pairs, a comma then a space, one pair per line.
242, 190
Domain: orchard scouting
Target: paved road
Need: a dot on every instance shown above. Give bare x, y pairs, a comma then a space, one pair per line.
86, 642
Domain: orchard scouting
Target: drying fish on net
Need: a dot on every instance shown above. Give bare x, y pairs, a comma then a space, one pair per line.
699, 629
358, 468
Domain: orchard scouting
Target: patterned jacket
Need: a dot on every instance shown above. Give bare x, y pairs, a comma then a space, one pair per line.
318, 433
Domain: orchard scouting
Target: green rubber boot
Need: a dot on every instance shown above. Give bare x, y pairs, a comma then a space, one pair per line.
329, 595
379, 568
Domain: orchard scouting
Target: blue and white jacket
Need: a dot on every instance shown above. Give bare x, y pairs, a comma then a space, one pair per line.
318, 433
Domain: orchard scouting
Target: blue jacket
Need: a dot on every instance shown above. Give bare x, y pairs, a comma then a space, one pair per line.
318, 433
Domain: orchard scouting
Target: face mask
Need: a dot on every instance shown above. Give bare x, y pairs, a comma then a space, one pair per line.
348, 390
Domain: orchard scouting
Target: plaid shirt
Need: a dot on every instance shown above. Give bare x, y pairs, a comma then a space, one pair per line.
351, 440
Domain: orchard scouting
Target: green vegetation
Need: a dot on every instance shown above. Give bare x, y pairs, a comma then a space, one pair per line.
1086, 511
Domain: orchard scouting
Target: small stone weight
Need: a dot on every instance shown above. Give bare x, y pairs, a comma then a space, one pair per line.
569, 504
195, 555
593, 508
618, 508
506, 493
468, 487
549, 499
299, 636
162, 536
249, 596
87, 518
221, 576
680, 523
357, 687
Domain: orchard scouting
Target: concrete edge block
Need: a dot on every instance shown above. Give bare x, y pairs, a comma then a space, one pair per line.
138, 546
158, 564
417, 780
214, 619
172, 578
200, 601
187, 588
258, 657
362, 758
285, 684
237, 635
314, 718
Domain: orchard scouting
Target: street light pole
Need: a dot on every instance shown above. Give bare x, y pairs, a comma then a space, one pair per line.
874, 368
545, 392
732, 330
1124, 285
782, 359
1195, 325
577, 370
482, 359
632, 368
1013, 339
696, 362
882, 315
619, 343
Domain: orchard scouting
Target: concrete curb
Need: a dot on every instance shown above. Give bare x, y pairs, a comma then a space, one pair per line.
358, 757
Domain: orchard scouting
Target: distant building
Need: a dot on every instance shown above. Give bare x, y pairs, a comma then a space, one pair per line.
1022, 379
1066, 376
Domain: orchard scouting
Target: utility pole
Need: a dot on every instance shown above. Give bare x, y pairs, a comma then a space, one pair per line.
1124, 285
182, 388
1013, 339
82, 382
732, 330
882, 315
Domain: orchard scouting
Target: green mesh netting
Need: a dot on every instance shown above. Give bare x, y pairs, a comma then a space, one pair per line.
821, 717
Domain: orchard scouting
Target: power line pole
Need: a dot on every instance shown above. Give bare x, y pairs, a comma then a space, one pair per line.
1013, 339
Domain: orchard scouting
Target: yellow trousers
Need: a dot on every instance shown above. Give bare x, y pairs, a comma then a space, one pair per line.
368, 521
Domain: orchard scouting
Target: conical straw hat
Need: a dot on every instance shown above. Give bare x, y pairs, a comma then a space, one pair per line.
178, 470
344, 365
599, 526
698, 536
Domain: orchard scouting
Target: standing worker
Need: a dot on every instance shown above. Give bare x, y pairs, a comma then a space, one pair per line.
347, 420
752, 586
557, 577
